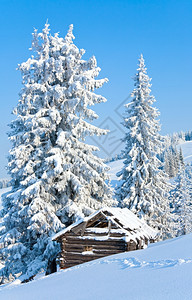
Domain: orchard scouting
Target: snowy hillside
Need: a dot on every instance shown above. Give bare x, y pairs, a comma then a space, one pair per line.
162, 271
116, 166
187, 151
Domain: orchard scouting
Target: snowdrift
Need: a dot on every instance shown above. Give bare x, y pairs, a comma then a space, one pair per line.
162, 271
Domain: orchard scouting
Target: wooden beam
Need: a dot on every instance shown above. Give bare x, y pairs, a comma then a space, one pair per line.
83, 228
93, 242
109, 227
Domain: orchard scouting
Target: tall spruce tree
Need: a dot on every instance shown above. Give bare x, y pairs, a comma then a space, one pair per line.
56, 176
143, 186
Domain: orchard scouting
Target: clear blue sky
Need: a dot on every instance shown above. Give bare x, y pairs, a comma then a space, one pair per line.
116, 32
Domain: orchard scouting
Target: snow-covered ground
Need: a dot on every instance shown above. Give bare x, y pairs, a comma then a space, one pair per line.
162, 271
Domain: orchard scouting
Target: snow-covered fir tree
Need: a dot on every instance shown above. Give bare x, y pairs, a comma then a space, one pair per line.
173, 160
181, 203
56, 176
188, 176
143, 185
181, 158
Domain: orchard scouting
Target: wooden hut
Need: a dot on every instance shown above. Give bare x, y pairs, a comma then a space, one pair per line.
105, 232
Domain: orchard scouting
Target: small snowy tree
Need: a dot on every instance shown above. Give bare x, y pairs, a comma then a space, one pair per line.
143, 188
56, 176
181, 158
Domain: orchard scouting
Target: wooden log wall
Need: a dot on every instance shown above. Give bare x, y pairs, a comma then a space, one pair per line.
73, 248
96, 244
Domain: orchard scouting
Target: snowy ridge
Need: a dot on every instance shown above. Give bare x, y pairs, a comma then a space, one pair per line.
162, 271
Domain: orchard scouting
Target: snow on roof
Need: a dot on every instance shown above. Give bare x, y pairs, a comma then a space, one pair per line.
130, 221
125, 219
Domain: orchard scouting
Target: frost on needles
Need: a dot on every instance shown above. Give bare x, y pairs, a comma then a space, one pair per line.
143, 188
56, 176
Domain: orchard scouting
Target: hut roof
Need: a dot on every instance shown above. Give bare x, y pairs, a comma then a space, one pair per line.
124, 219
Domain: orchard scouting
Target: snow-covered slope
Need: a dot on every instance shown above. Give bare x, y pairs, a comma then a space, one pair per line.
162, 271
187, 151
116, 166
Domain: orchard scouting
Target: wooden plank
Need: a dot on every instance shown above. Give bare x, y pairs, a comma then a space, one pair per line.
107, 234
109, 226
118, 247
95, 255
69, 248
79, 255
107, 213
94, 234
96, 245
107, 252
81, 259
90, 231
112, 241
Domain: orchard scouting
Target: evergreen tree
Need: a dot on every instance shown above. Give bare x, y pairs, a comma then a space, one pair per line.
173, 160
180, 158
167, 163
143, 188
56, 176
181, 204
188, 179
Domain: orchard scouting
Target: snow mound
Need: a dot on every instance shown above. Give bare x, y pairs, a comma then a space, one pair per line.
162, 271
